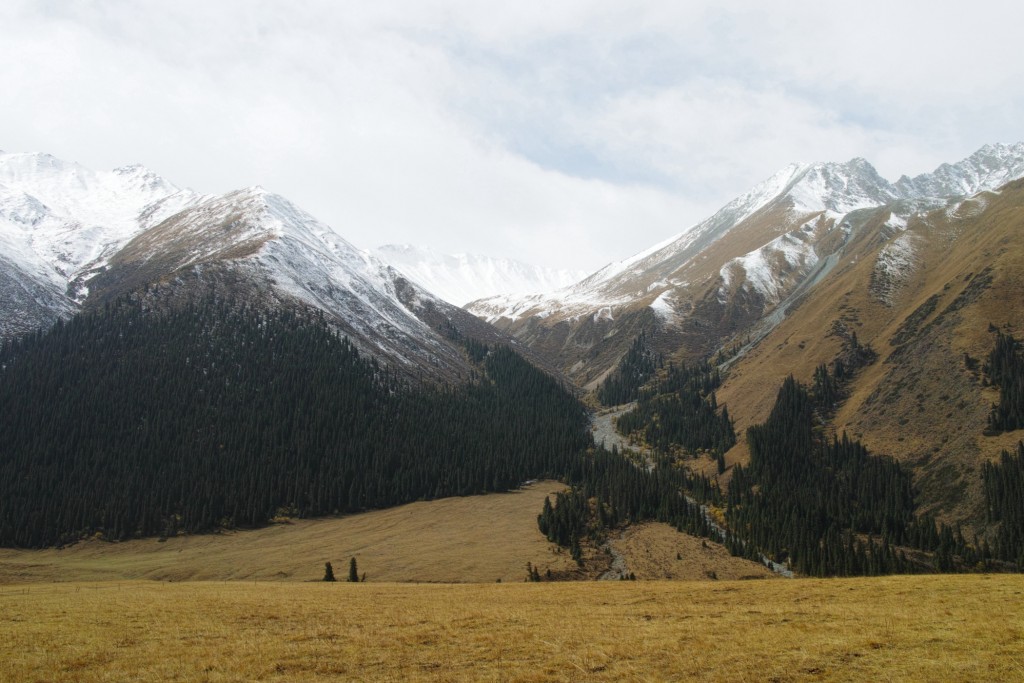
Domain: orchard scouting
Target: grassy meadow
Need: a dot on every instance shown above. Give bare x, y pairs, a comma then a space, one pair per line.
248, 606
922, 628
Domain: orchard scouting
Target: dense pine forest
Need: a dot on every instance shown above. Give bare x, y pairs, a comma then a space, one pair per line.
1004, 501
609, 491
824, 504
1005, 368
632, 372
680, 412
129, 423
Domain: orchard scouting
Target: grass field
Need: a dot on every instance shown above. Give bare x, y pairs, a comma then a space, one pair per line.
472, 539
83, 614
926, 628
477, 539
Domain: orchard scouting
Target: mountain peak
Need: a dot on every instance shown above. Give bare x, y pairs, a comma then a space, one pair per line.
989, 167
839, 187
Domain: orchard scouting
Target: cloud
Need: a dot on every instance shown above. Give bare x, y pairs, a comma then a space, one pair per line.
569, 134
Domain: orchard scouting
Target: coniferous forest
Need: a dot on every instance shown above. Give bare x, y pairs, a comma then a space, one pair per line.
1005, 368
632, 372
1004, 501
608, 491
826, 506
680, 410
129, 423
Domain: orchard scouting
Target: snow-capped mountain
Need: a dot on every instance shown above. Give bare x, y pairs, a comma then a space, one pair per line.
73, 217
59, 221
799, 190
986, 169
280, 251
72, 237
754, 256
461, 278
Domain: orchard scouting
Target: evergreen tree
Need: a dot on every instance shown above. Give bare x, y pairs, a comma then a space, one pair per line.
680, 413
1005, 368
353, 572
1004, 502
245, 413
633, 370
806, 500
328, 572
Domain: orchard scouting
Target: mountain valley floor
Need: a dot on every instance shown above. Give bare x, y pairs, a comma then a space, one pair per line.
249, 606
906, 628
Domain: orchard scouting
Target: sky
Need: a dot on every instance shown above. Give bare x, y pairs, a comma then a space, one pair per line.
567, 134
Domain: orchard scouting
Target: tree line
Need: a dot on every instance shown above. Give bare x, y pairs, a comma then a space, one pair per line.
129, 422
680, 412
1005, 368
633, 370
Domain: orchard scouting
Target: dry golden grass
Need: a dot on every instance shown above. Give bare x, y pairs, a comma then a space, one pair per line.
658, 551
478, 539
472, 539
930, 628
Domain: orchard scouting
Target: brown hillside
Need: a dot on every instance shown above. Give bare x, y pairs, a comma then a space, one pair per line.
918, 401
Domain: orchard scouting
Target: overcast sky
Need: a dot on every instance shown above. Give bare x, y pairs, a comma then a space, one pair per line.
560, 133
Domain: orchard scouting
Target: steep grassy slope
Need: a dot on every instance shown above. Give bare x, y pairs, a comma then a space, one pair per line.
922, 298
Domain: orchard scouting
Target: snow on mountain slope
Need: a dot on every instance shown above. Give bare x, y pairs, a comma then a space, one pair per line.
744, 265
72, 237
618, 283
840, 188
71, 217
759, 269
461, 278
788, 199
688, 243
265, 248
59, 221
986, 169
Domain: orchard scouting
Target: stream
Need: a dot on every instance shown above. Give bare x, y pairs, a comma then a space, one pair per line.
603, 429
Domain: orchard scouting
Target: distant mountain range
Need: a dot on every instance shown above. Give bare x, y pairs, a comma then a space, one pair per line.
903, 284
72, 238
733, 273
462, 278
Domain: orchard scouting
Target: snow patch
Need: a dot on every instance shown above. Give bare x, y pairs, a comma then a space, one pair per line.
662, 306
893, 267
767, 270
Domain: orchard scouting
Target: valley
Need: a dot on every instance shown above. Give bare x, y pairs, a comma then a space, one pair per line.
530, 342
471, 539
808, 368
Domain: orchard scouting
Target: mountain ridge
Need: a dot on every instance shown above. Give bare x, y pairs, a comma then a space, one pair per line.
737, 266
461, 278
73, 238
